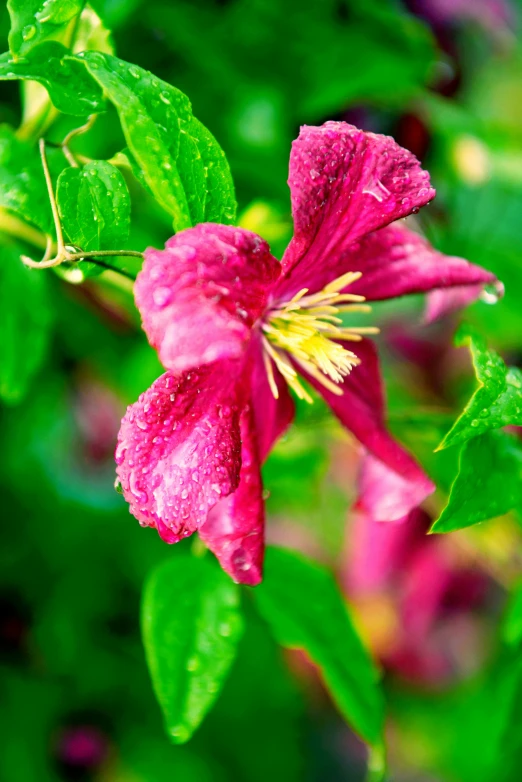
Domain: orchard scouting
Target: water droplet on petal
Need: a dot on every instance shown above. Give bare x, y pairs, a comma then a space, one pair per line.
162, 296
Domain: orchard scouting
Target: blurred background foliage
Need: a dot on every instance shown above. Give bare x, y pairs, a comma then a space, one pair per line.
445, 80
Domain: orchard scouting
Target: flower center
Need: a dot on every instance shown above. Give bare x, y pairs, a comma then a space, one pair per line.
307, 330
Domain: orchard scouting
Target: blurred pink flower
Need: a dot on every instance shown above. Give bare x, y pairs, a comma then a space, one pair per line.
82, 746
406, 584
235, 329
491, 14
98, 415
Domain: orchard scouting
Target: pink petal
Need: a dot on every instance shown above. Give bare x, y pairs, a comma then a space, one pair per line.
200, 296
179, 448
234, 529
396, 261
344, 184
361, 410
379, 553
385, 495
443, 302
272, 416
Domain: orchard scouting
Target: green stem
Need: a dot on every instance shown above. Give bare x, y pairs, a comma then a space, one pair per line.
13, 226
87, 255
107, 266
376, 764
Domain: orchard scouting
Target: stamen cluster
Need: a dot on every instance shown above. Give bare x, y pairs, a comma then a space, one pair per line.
307, 330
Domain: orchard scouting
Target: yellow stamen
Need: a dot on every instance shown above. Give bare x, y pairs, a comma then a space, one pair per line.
307, 330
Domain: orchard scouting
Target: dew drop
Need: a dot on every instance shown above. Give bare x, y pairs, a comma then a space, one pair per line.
28, 32
180, 733
162, 296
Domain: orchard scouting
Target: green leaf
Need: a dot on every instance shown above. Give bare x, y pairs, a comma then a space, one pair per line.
182, 163
191, 624
25, 319
488, 483
303, 605
91, 34
512, 626
94, 205
69, 84
34, 21
497, 401
95, 208
22, 182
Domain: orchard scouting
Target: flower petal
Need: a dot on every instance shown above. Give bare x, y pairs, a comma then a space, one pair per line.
199, 297
379, 553
443, 302
396, 261
271, 416
235, 527
179, 448
385, 495
361, 410
344, 184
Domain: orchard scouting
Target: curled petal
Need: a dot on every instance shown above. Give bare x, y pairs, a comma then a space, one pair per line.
234, 529
272, 416
200, 296
179, 448
379, 553
385, 495
443, 302
344, 184
361, 409
396, 261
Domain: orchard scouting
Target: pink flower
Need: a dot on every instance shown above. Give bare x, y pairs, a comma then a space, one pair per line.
491, 14
411, 590
235, 328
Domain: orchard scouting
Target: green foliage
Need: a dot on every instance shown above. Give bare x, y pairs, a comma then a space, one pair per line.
191, 625
303, 63
94, 205
25, 320
488, 484
34, 21
305, 609
22, 183
180, 160
254, 72
497, 401
70, 87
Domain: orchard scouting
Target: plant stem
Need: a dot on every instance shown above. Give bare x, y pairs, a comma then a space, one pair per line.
63, 253
50, 190
88, 254
107, 266
376, 764
13, 226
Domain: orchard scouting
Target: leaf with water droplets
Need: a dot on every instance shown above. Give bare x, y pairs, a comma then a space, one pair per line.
34, 21
94, 205
25, 321
181, 162
22, 182
488, 484
191, 625
302, 603
497, 402
69, 84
